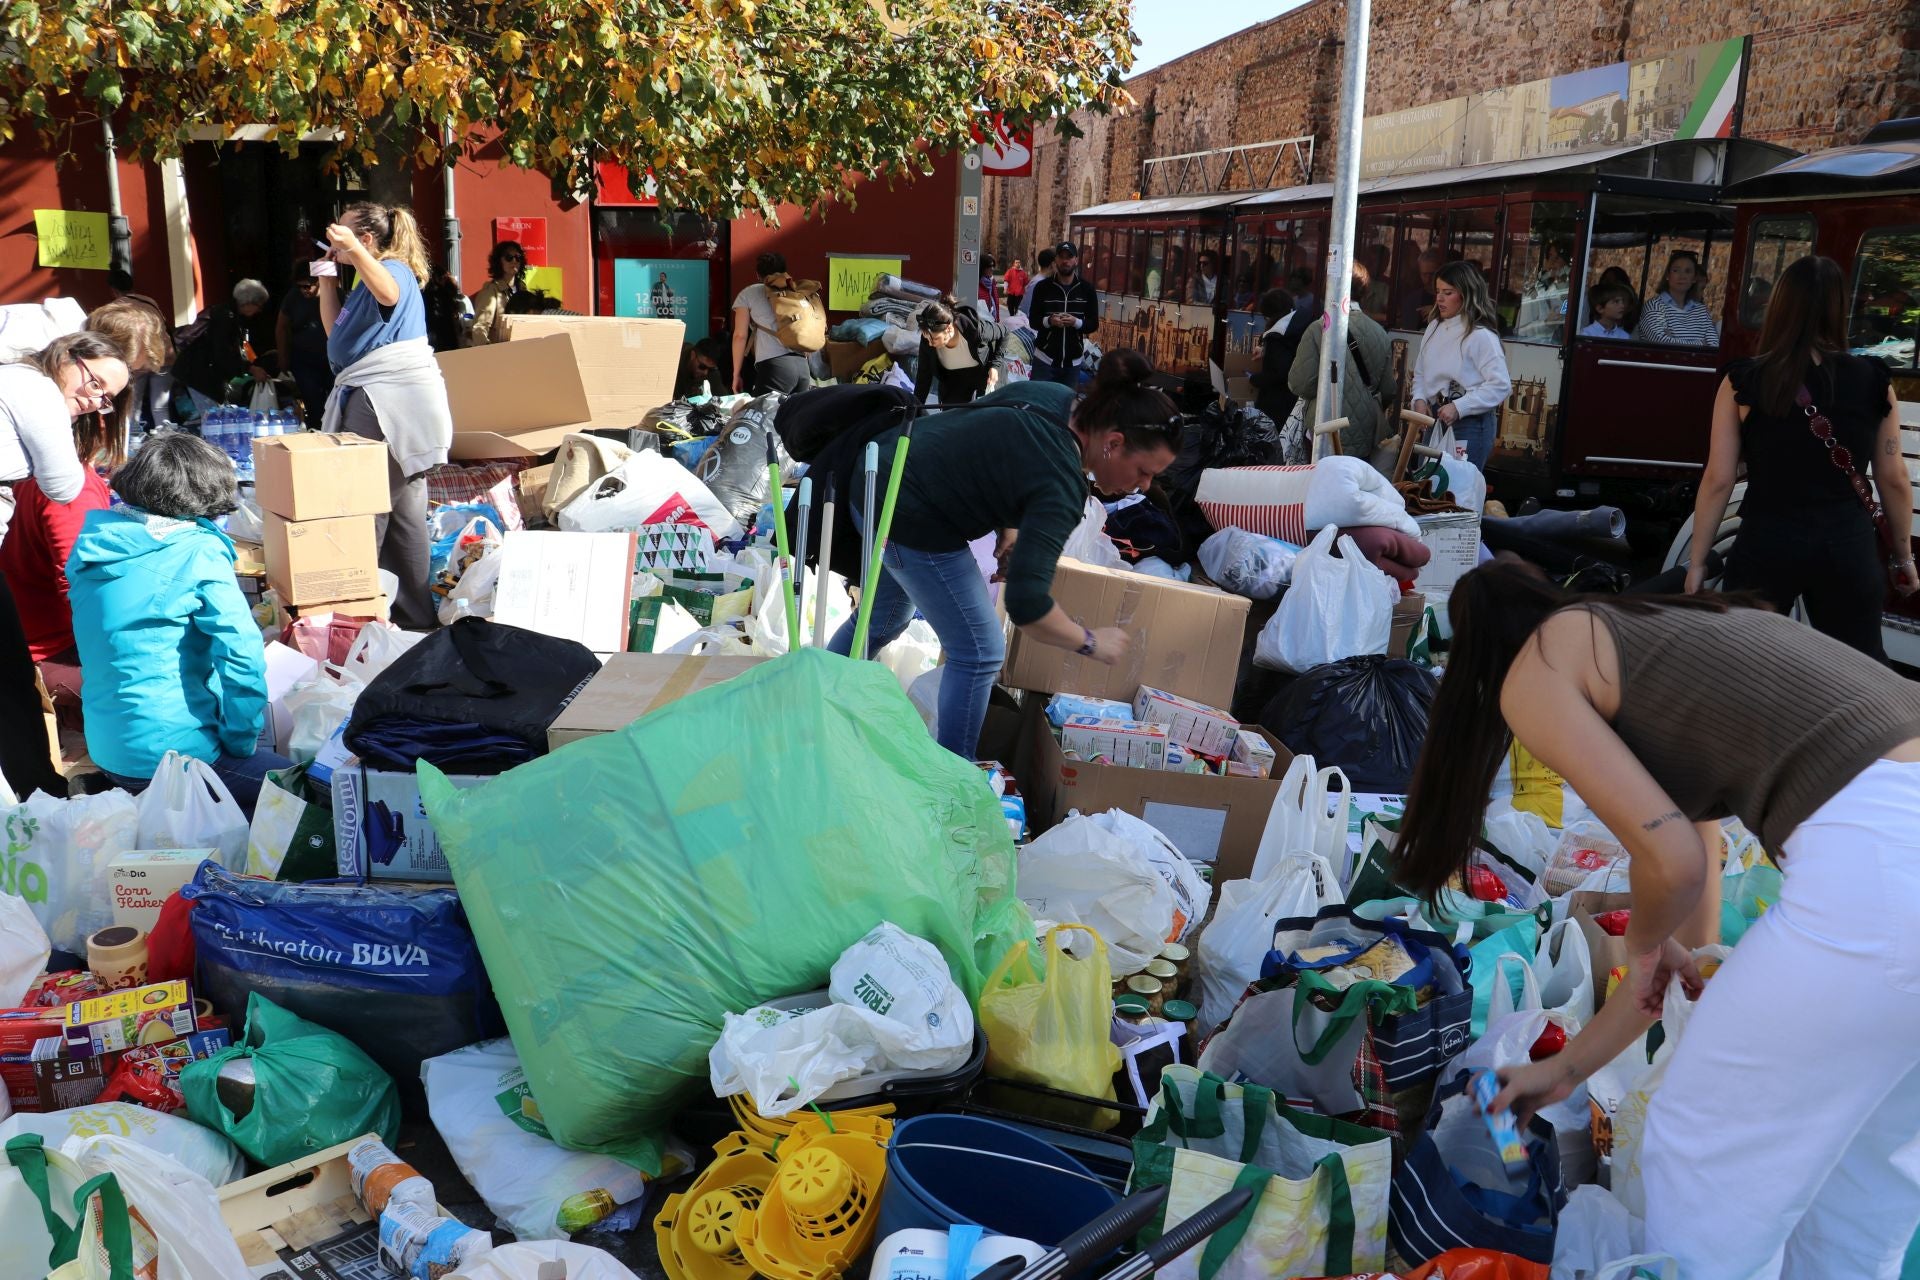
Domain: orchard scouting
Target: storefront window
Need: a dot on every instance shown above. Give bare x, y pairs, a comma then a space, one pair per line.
1884, 320
1535, 293
1772, 243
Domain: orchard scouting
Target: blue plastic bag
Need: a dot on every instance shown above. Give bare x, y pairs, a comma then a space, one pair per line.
394, 971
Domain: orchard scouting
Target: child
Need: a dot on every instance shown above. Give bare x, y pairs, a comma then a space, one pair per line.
1607, 308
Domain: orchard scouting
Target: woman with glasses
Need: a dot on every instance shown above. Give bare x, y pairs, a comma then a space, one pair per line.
1810, 423
961, 352
1016, 463
505, 266
40, 397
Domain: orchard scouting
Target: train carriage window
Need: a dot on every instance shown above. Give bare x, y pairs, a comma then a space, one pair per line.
1535, 291
1211, 283
1122, 254
1421, 251
1173, 272
1634, 238
1884, 321
1373, 249
1156, 265
1089, 238
1772, 243
1137, 264
1471, 235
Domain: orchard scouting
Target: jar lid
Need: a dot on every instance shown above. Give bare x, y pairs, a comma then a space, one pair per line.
1175, 952
1181, 1011
1143, 985
114, 938
1131, 1004
1163, 969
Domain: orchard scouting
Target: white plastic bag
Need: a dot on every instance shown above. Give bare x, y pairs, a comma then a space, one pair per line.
1564, 965
245, 524
375, 649
263, 399
1240, 934
176, 1206
1338, 607
521, 1261
203, 1152
1248, 564
1089, 543
472, 596
648, 488
893, 1007
924, 694
1303, 820
188, 807
23, 952
1593, 1229
481, 1104
56, 856
916, 652
316, 707
1630, 1121
1118, 876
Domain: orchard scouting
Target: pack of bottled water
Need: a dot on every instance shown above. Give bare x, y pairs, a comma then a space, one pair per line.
232, 429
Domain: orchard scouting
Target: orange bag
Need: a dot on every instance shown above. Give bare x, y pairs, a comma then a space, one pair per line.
1466, 1264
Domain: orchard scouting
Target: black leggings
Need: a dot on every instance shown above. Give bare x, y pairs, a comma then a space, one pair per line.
1835, 566
26, 757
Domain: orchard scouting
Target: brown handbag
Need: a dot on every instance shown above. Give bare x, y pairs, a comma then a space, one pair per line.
1842, 457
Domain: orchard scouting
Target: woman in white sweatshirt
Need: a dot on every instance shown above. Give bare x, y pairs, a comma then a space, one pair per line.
1461, 368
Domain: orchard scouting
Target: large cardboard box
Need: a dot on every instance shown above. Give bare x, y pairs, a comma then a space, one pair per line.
303, 1218
313, 476
380, 827
1209, 818
578, 586
628, 366
514, 399
632, 685
316, 561
1185, 639
847, 358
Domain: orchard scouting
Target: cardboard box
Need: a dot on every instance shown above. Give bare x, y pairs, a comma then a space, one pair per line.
378, 607
303, 1219
315, 476
532, 486
1210, 819
578, 586
21, 1032
1406, 617
633, 684
1205, 729
1454, 539
380, 827
70, 1082
514, 399
141, 881
314, 561
1121, 742
249, 560
153, 1014
1185, 639
627, 366
847, 358
1252, 749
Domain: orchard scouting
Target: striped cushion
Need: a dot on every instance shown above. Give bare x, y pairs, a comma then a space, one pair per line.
1270, 501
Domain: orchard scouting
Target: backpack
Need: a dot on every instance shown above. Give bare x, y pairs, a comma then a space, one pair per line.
800, 318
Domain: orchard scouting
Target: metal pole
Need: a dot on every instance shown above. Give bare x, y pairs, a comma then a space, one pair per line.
450, 217
119, 230
1346, 197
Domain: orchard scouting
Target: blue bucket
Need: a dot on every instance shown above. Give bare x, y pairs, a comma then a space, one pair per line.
944, 1170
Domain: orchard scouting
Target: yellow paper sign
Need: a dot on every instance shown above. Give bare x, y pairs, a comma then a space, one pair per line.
546, 280
70, 239
852, 279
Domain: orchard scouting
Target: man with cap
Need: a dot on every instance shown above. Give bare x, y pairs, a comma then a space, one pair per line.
1064, 310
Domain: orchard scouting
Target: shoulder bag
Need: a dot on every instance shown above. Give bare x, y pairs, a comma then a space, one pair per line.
1842, 457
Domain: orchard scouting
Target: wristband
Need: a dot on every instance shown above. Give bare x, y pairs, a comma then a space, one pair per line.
1086, 649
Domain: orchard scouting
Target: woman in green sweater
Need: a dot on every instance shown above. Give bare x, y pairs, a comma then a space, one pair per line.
1016, 463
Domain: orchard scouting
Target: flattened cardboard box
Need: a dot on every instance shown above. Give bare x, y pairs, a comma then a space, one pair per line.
312, 476
627, 366
316, 561
1185, 639
514, 399
632, 685
1211, 819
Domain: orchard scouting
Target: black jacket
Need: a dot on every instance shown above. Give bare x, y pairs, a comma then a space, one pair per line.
1064, 344
1276, 399
213, 349
985, 340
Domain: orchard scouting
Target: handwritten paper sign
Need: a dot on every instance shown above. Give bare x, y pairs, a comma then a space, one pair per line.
70, 239
852, 278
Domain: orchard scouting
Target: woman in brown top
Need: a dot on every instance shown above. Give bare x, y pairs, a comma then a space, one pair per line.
1783, 1133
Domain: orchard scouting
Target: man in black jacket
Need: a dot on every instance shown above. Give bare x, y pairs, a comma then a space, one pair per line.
1064, 310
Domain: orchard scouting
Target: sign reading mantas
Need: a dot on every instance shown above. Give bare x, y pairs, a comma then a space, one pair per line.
850, 278
71, 239
1691, 93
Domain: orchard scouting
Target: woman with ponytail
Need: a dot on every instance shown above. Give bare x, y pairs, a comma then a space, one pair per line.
1016, 463
387, 385
1783, 1127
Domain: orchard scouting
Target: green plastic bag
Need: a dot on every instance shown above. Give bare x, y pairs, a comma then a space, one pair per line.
629, 890
313, 1089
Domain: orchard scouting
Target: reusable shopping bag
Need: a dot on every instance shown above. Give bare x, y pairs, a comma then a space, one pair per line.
1337, 607
1321, 1202
188, 807
1505, 957
1052, 1025
23, 950
1312, 1041
1452, 1189
312, 1089
1237, 939
56, 855
290, 838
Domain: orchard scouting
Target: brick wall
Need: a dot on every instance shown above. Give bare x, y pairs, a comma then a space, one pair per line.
1820, 73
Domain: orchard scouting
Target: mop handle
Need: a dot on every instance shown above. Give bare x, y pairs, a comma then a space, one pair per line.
780, 540
800, 556
880, 539
821, 579
870, 470
1098, 1238
1181, 1238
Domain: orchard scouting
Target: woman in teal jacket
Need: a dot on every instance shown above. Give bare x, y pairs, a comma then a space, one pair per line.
171, 656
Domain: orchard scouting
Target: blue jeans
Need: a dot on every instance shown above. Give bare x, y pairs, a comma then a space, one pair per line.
244, 776
1476, 432
1068, 376
950, 593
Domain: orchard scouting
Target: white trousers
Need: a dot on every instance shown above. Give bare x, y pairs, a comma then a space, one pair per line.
1785, 1139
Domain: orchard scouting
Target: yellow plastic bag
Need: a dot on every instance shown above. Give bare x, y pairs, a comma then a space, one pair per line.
1054, 1026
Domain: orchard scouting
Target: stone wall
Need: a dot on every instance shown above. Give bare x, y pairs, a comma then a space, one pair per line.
1820, 73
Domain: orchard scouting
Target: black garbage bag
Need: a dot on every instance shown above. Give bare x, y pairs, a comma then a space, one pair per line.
1236, 436
1368, 715
735, 466
681, 419
1143, 525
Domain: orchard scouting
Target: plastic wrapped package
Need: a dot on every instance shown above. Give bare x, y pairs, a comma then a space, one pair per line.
735, 468
758, 828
